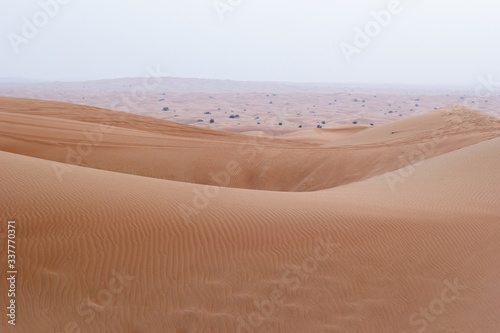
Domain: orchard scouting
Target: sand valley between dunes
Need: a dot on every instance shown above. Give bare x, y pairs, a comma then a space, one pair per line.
130, 223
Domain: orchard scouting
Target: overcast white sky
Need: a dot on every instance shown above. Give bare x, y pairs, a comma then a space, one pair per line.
426, 42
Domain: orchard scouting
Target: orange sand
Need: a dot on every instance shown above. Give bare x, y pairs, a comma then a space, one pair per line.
392, 228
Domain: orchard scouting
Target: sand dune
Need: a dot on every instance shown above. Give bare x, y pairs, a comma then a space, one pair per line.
456, 120
402, 235
162, 149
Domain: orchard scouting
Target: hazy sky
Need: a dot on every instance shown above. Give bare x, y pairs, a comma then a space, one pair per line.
416, 41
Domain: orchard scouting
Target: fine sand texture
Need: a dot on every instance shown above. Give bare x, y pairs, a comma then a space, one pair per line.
127, 223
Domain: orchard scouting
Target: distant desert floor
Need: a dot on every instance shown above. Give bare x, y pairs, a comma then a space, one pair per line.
270, 108
130, 223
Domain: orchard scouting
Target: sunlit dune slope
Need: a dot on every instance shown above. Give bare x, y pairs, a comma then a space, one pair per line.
444, 123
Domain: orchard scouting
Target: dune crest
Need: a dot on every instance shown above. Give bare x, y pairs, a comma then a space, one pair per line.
138, 145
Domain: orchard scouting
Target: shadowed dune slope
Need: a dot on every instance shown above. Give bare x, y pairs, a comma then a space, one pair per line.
105, 251
137, 145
